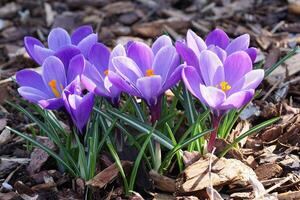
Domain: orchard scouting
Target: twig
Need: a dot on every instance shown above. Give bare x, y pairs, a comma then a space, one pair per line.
272, 89
209, 173
10, 176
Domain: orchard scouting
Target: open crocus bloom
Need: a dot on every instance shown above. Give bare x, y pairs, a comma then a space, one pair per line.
216, 41
95, 76
145, 72
79, 106
61, 44
223, 86
45, 89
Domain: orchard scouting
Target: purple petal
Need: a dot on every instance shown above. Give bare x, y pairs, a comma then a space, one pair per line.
219, 76
218, 38
81, 108
212, 96
187, 54
237, 100
252, 52
30, 78
122, 85
29, 43
240, 43
32, 94
236, 66
142, 55
93, 81
58, 38
165, 62
192, 81
173, 78
52, 104
66, 54
161, 42
80, 33
127, 69
218, 51
76, 67
195, 42
118, 50
251, 80
53, 69
99, 57
150, 88
86, 44
42, 53
209, 64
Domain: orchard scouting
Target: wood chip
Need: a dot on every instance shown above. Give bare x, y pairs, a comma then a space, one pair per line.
163, 183
268, 171
107, 175
154, 28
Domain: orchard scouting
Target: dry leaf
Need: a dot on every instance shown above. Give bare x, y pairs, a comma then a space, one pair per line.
224, 171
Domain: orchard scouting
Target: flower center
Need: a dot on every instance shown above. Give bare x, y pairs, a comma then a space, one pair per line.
106, 72
53, 86
150, 72
225, 86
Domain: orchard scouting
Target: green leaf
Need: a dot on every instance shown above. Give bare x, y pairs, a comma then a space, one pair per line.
138, 161
141, 126
287, 56
118, 163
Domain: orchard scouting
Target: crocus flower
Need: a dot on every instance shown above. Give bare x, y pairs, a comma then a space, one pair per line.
45, 89
216, 41
79, 106
61, 44
147, 72
222, 86
95, 76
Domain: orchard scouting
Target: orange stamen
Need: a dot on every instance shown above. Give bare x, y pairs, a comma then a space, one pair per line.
106, 72
53, 87
150, 72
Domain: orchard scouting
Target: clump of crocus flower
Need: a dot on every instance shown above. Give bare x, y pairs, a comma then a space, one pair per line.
222, 86
147, 72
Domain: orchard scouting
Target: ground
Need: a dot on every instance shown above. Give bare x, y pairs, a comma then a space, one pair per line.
274, 28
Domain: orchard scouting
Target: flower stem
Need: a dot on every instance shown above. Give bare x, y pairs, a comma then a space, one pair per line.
155, 112
215, 122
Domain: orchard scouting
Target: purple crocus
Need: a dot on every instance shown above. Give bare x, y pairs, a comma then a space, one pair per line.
216, 41
95, 76
222, 85
61, 44
147, 72
45, 89
79, 106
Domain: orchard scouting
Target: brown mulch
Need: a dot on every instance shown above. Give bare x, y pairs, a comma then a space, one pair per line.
274, 27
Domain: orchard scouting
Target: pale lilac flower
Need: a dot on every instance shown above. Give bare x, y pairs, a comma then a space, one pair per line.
95, 76
216, 41
61, 44
223, 86
147, 72
45, 89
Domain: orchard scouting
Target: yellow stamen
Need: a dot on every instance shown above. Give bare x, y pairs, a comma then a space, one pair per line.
225, 86
150, 72
53, 87
106, 72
